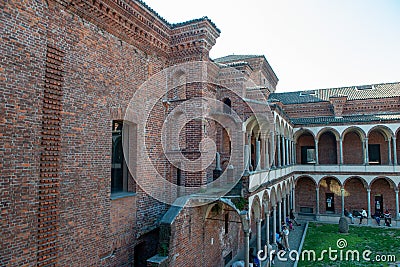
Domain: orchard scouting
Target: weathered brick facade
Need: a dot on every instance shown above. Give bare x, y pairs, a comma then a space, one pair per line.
70, 69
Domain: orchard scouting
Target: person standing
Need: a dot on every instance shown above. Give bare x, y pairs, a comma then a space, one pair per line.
348, 214
286, 238
293, 218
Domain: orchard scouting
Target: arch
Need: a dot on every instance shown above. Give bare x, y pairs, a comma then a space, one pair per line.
305, 195
328, 129
378, 146
355, 192
397, 140
383, 195
273, 197
305, 148
386, 131
255, 213
300, 132
265, 201
330, 195
279, 193
355, 129
353, 152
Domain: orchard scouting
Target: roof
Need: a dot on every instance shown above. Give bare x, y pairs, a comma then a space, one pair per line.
176, 25
235, 58
374, 91
346, 119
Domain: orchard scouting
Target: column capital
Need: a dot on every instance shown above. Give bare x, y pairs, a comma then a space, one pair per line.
369, 190
396, 191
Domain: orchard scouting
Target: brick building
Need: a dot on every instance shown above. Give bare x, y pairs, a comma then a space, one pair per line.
107, 116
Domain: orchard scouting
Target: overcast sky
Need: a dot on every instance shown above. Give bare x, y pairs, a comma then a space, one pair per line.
310, 44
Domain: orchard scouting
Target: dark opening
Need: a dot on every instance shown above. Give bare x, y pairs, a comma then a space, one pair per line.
178, 177
227, 106
379, 204
228, 258
308, 155
374, 154
330, 202
117, 158
226, 223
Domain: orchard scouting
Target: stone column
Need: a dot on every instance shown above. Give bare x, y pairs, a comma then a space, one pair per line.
340, 151
278, 152
246, 248
287, 152
267, 161
258, 154
273, 151
342, 194
284, 208
316, 152
369, 204
267, 226
317, 205
390, 151
397, 204
280, 215
294, 153
294, 199
366, 156
274, 225
258, 224
246, 158
394, 151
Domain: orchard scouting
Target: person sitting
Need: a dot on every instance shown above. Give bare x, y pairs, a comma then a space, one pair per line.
348, 214
279, 241
363, 215
253, 258
289, 223
388, 218
377, 217
293, 218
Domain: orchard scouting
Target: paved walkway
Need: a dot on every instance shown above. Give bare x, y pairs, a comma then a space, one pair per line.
295, 237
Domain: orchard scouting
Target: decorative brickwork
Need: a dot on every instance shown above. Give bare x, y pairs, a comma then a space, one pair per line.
49, 183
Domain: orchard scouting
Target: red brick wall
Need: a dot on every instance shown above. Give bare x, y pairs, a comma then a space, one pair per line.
305, 193
305, 139
355, 195
382, 187
327, 149
376, 137
330, 185
199, 241
23, 53
352, 149
305, 110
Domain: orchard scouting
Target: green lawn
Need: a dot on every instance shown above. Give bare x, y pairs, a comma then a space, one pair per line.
383, 242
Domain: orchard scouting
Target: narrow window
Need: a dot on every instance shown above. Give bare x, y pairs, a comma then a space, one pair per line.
226, 223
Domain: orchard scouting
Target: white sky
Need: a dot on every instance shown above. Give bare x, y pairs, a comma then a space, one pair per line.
310, 44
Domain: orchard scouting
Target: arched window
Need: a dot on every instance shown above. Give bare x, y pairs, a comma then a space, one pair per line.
227, 106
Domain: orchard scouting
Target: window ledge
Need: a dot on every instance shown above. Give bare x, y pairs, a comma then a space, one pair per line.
120, 195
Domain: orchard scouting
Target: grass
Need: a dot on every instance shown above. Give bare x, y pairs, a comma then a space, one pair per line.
382, 242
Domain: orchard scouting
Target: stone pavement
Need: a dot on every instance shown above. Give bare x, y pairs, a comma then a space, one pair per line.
295, 237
